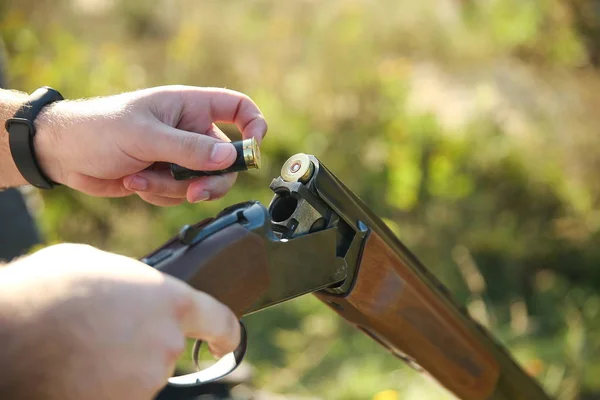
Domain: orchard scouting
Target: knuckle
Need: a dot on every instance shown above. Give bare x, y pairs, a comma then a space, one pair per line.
184, 304
158, 187
235, 93
248, 103
221, 185
245, 100
245, 104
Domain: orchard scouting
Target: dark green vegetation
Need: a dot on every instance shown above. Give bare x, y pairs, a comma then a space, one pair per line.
471, 127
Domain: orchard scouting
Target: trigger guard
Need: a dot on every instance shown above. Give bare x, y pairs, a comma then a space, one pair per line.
223, 367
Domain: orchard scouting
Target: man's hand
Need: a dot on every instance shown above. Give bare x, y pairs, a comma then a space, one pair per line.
80, 323
103, 146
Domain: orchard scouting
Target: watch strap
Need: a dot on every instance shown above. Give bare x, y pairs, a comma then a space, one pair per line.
21, 131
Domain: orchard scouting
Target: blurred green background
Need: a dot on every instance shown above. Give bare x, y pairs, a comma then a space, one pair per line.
469, 126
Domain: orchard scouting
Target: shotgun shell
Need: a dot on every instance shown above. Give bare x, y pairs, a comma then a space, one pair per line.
248, 157
297, 168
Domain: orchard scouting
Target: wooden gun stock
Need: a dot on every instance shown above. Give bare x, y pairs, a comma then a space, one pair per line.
417, 321
230, 265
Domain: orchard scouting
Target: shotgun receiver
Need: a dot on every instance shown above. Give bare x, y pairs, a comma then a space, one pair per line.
316, 236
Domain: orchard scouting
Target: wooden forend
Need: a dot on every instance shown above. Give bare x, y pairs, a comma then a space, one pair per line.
393, 305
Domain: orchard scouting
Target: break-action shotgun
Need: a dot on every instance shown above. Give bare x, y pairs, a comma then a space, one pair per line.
316, 236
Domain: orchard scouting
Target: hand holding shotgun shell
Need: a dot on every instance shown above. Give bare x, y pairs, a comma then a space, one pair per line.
247, 157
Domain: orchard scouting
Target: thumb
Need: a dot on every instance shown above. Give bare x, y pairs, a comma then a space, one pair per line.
188, 149
210, 320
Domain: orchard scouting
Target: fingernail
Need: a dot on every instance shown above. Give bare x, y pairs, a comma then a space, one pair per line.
220, 152
204, 195
138, 183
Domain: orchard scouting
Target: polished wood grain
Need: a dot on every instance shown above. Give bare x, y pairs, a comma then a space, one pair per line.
230, 265
393, 305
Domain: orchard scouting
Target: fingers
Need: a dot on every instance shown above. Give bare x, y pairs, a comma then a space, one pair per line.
226, 106
210, 187
160, 200
159, 183
207, 319
97, 187
195, 143
158, 187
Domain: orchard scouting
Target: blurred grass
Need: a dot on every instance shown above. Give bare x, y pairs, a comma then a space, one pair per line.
470, 127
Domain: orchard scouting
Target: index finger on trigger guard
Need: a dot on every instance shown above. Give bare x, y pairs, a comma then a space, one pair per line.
207, 319
223, 367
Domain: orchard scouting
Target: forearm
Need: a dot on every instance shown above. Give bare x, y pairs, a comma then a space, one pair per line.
10, 101
20, 348
37, 332
15, 356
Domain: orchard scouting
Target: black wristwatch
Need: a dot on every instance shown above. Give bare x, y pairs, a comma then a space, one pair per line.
21, 131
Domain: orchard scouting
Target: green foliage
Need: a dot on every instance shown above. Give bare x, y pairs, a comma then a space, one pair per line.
468, 126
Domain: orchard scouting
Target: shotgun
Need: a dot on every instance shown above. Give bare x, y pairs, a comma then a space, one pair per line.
316, 236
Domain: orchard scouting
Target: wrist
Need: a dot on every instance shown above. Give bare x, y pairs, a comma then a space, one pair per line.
46, 142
